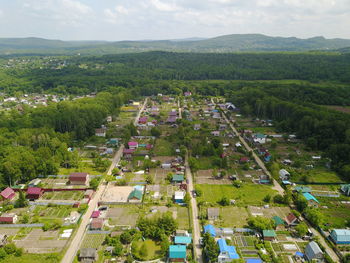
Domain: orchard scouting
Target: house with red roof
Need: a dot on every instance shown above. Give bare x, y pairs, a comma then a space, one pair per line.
291, 220
34, 193
8, 218
79, 179
244, 160
96, 214
127, 153
143, 120
7, 193
96, 224
133, 145
149, 146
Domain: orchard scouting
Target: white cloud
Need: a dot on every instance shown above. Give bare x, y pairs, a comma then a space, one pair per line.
65, 12
165, 6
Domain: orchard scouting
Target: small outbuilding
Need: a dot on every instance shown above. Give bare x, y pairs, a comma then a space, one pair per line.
79, 179
7, 194
88, 254
177, 253
269, 235
34, 193
213, 213
10, 218
313, 252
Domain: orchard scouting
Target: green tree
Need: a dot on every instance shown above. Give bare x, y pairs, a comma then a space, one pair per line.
126, 238
143, 251
21, 201
301, 229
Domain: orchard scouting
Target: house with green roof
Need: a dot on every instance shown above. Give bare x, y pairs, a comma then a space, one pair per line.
135, 196
302, 189
178, 178
311, 200
269, 235
177, 253
279, 222
345, 189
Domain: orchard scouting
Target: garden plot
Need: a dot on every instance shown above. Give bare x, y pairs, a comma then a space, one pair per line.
159, 174
206, 177
123, 215
63, 195
233, 217
38, 241
9, 231
269, 212
93, 241
54, 183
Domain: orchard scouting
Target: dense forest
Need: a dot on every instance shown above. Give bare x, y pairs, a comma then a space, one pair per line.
84, 74
286, 87
35, 141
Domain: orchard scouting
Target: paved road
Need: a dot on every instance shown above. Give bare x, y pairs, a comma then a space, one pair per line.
194, 209
180, 110
85, 220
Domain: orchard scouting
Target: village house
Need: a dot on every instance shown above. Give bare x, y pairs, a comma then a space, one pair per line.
222, 127
34, 193
244, 160
101, 132
259, 138
279, 222
3, 240
135, 196
215, 133
197, 127
340, 236
284, 174
311, 200
109, 119
181, 233
179, 197
177, 253
182, 240
96, 224
127, 153
210, 229
291, 220
133, 145
7, 194
269, 235
88, 255
143, 120
213, 213
345, 189
313, 252
79, 179
227, 253
10, 218
177, 178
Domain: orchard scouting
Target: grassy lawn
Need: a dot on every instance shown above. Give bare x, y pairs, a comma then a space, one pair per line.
52, 212
86, 168
247, 194
152, 248
233, 217
93, 240
30, 258
163, 148
183, 218
336, 217
322, 176
205, 163
63, 195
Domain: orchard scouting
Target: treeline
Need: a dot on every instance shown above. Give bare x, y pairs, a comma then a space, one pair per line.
146, 70
35, 141
320, 128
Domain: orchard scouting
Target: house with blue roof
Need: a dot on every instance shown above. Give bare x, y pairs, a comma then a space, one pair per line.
210, 229
177, 253
253, 260
340, 236
182, 240
227, 253
312, 201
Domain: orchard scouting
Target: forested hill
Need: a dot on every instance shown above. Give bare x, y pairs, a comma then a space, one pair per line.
227, 43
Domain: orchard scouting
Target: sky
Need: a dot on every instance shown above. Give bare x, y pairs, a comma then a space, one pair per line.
115, 20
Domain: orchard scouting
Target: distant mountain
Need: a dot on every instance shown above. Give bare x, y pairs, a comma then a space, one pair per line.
227, 43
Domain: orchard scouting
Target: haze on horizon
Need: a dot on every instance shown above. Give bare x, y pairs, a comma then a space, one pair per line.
171, 19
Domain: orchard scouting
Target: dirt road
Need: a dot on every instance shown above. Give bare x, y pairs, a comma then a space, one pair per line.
78, 238
194, 209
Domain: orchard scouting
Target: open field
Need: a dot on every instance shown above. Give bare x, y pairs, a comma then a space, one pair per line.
117, 194
246, 194
345, 109
182, 218
30, 258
